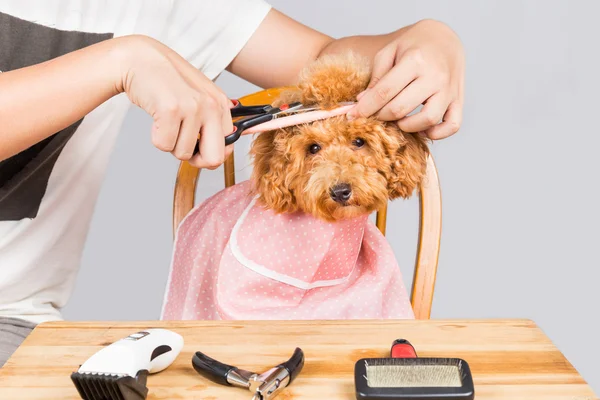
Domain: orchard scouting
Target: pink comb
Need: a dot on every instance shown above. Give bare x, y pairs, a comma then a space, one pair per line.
298, 119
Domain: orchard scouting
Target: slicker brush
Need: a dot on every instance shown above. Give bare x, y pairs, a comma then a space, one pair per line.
405, 376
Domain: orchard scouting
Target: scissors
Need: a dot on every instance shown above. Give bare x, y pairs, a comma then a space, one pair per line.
257, 115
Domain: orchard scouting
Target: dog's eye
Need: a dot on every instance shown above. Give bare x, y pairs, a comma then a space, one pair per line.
358, 142
314, 148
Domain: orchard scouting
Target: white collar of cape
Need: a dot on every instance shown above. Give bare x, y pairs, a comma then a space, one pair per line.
262, 270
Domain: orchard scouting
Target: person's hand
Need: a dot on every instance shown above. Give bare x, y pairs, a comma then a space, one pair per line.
183, 102
423, 64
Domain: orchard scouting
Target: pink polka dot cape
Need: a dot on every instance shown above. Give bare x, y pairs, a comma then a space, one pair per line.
233, 259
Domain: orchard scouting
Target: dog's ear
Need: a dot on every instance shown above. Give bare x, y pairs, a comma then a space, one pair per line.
408, 162
269, 172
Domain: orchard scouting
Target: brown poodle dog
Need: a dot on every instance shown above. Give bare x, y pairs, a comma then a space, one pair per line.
335, 168
294, 241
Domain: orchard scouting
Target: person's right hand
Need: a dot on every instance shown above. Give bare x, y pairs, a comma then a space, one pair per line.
183, 102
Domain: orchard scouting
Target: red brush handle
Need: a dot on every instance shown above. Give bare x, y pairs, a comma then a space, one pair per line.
401, 348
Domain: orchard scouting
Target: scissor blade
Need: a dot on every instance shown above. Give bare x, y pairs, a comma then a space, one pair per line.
287, 109
301, 109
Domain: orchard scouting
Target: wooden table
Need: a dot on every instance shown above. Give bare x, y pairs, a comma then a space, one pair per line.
510, 359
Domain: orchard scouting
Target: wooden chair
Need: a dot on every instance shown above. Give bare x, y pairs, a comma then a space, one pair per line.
429, 224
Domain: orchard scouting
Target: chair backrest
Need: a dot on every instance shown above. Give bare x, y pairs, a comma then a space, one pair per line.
430, 210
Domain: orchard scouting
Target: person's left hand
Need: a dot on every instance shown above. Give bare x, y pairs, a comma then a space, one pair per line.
423, 64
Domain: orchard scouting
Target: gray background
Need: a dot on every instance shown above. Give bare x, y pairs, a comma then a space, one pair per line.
520, 223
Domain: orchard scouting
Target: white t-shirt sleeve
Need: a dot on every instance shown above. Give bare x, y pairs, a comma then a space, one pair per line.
210, 33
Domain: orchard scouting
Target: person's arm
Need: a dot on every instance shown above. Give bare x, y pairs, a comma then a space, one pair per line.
419, 64
40, 100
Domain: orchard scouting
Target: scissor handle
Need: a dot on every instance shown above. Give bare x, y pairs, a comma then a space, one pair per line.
265, 113
239, 127
239, 110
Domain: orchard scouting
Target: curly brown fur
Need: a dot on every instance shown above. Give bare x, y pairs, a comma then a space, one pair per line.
330, 80
375, 159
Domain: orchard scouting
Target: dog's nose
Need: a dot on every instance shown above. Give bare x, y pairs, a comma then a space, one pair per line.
341, 193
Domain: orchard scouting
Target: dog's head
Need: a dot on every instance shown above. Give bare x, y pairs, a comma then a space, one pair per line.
335, 168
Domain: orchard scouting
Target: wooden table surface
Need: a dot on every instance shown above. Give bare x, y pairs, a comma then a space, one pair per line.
509, 359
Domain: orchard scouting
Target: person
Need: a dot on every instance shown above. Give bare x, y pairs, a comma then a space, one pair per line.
71, 69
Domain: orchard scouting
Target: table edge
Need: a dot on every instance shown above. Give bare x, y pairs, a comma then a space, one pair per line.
96, 324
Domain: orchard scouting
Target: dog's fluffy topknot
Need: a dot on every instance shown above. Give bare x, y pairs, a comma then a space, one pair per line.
334, 78
331, 79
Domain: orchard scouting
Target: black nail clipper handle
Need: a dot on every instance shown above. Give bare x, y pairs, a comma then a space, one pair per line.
294, 364
211, 369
